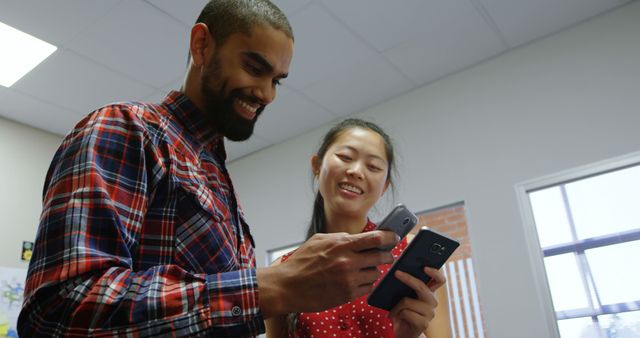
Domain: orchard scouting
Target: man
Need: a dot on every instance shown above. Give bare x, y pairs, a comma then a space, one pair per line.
141, 233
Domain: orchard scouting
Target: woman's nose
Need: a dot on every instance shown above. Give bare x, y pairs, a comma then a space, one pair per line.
355, 171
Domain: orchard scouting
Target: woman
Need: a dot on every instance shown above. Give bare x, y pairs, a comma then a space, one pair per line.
353, 169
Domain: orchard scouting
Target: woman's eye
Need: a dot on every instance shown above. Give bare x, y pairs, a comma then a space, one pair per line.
344, 157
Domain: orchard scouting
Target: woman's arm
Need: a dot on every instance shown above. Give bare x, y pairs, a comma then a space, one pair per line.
276, 327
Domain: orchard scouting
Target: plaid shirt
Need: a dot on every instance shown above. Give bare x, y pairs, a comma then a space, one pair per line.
140, 233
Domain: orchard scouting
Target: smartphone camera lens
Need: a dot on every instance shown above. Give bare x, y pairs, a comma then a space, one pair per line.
405, 221
437, 249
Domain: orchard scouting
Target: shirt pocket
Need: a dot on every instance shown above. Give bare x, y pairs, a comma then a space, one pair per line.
186, 175
205, 240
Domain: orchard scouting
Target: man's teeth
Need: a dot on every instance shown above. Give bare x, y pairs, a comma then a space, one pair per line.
247, 106
351, 188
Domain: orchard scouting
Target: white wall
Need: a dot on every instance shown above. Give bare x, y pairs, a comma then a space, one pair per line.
25, 156
559, 103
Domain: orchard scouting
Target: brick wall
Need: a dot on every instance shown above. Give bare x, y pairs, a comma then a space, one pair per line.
464, 306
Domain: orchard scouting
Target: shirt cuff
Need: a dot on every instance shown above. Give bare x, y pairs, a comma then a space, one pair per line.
233, 300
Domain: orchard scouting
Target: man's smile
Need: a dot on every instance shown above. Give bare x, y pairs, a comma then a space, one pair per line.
245, 109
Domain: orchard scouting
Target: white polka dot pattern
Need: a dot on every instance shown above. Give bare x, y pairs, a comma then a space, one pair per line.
354, 319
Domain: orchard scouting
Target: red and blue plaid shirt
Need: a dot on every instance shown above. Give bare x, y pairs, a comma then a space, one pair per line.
141, 233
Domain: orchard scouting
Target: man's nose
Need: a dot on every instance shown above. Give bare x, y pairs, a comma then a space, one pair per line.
265, 92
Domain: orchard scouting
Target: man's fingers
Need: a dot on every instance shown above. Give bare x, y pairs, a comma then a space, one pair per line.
367, 276
373, 258
373, 240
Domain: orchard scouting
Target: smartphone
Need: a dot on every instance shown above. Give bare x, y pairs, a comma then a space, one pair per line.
428, 248
400, 220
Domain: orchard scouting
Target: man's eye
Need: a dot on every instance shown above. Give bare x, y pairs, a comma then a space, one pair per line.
254, 70
276, 82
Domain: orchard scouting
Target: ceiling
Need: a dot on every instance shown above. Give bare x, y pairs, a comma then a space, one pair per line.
349, 54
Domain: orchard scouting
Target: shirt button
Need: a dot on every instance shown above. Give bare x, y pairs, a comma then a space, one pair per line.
236, 311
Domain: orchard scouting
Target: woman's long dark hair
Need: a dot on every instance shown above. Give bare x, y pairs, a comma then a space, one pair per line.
318, 223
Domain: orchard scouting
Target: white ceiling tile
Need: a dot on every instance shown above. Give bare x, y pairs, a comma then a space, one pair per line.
385, 25
54, 21
521, 21
174, 85
322, 43
185, 11
113, 50
236, 150
139, 41
290, 7
37, 113
371, 81
160, 94
156, 97
87, 85
289, 115
437, 52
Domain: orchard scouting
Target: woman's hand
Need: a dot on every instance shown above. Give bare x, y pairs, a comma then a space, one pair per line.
410, 316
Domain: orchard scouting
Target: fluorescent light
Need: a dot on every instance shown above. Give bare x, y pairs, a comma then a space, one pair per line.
21, 53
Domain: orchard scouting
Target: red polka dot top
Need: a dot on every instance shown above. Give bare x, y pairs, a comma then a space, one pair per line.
353, 319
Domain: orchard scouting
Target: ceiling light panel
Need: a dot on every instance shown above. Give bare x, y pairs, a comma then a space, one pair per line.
21, 53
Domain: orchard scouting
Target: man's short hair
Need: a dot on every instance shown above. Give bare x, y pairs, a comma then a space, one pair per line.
226, 17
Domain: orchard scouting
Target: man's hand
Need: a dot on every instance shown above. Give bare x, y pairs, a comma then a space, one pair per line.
326, 271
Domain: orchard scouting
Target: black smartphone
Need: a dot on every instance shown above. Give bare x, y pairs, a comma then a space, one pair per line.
400, 220
428, 248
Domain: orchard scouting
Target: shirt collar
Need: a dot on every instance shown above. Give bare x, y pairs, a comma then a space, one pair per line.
194, 121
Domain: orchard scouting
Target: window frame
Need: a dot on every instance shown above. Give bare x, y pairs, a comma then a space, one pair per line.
536, 253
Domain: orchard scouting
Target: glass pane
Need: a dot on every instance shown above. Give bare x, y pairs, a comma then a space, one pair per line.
567, 289
606, 203
578, 328
621, 325
615, 272
550, 217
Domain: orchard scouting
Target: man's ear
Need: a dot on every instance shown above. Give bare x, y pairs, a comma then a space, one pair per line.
201, 43
315, 165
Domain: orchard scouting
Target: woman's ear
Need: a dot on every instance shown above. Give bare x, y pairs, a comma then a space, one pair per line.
200, 44
386, 185
315, 165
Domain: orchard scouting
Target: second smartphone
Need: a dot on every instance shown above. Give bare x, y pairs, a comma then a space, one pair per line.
400, 220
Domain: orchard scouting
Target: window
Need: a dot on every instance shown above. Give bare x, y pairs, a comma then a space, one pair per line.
587, 235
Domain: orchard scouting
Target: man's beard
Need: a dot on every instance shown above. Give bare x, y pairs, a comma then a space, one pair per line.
219, 110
